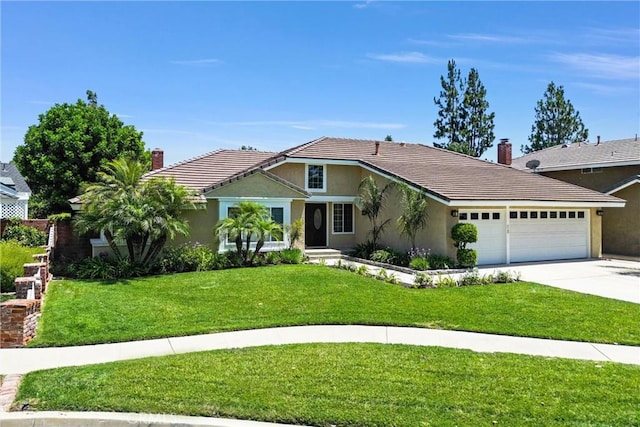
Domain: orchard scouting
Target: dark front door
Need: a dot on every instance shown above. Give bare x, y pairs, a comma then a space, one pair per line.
315, 224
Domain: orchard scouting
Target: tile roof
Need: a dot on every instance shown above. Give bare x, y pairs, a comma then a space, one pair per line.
448, 175
584, 154
9, 170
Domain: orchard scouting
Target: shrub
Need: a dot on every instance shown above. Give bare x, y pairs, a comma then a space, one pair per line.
187, 257
364, 250
423, 280
294, 232
506, 276
446, 282
24, 235
419, 264
274, 257
389, 256
473, 278
13, 256
440, 262
463, 233
467, 258
362, 270
291, 256
93, 268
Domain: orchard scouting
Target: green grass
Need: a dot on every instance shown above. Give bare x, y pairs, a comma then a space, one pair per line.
352, 385
13, 256
87, 312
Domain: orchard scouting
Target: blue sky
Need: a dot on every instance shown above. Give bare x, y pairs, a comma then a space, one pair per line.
198, 76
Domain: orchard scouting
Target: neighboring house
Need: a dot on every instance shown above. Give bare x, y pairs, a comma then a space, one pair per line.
610, 167
520, 216
14, 193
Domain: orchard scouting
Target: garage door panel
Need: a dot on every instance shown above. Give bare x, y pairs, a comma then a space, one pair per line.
492, 235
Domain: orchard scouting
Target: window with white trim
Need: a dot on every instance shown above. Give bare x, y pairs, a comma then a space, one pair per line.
316, 178
280, 211
343, 218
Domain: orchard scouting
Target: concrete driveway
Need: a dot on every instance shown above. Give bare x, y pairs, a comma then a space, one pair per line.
608, 278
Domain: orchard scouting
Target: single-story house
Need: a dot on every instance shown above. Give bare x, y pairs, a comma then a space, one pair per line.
520, 216
610, 167
14, 193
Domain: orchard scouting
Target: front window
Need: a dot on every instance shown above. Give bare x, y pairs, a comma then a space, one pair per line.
342, 218
316, 177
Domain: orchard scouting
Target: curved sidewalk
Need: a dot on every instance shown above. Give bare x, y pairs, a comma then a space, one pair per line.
24, 360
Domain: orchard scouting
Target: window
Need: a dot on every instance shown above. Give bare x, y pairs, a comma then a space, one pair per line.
474, 215
581, 214
463, 216
513, 215
563, 214
496, 215
533, 215
280, 212
485, 215
277, 214
524, 214
342, 218
316, 178
572, 214
591, 170
553, 214
543, 215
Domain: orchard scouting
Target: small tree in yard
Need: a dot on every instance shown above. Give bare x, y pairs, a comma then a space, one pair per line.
462, 234
371, 201
143, 214
247, 221
414, 217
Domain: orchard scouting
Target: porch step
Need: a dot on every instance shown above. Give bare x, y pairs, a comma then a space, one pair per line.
318, 254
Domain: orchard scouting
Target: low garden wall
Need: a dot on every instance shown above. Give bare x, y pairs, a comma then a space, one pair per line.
19, 317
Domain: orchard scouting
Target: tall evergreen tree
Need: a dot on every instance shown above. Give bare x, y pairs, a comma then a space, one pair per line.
449, 119
477, 128
463, 119
556, 122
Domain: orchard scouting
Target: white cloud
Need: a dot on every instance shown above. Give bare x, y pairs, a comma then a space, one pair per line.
490, 38
601, 65
601, 89
363, 5
207, 61
406, 57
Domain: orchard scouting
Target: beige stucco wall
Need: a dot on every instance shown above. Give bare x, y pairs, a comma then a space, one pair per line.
621, 226
292, 172
596, 234
256, 185
602, 181
201, 225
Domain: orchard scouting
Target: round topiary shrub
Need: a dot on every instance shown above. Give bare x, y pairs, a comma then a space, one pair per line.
467, 258
463, 233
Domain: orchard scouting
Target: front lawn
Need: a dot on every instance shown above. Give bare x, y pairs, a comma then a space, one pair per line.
87, 312
351, 385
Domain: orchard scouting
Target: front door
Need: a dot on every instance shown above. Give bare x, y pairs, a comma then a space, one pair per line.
315, 225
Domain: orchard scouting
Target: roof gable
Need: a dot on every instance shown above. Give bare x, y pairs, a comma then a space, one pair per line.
580, 155
9, 172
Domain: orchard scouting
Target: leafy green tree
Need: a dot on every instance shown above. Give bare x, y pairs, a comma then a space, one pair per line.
245, 222
450, 114
463, 117
144, 214
414, 216
371, 201
477, 127
556, 122
67, 149
388, 138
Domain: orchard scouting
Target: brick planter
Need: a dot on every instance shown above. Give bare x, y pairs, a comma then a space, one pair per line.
19, 318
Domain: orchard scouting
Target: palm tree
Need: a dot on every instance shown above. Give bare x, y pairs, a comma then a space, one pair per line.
371, 201
414, 218
266, 227
143, 214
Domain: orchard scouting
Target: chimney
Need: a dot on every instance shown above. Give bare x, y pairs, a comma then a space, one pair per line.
598, 143
157, 159
377, 148
504, 152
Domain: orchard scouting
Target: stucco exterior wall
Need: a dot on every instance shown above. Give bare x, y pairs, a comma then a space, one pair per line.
201, 225
343, 180
256, 185
292, 172
621, 227
596, 234
601, 181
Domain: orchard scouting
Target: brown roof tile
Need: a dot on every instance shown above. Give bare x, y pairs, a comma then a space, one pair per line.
584, 154
448, 175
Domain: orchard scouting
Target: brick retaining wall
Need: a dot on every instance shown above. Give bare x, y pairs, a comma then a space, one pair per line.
19, 319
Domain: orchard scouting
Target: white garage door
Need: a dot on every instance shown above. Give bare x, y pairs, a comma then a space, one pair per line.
540, 235
492, 234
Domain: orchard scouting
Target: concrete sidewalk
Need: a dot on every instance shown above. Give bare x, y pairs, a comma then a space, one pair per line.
24, 360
